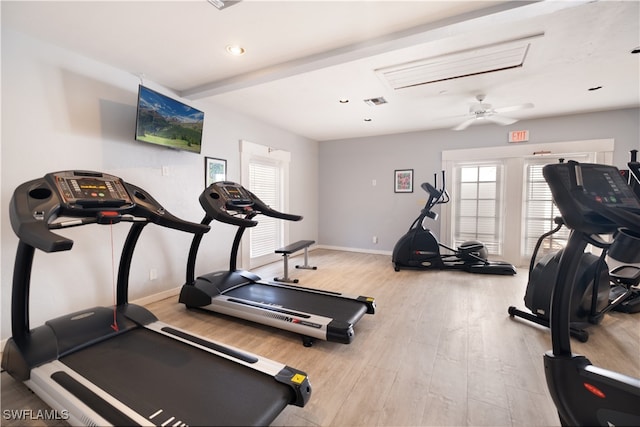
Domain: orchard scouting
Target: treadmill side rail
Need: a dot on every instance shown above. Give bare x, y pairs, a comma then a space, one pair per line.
68, 402
229, 352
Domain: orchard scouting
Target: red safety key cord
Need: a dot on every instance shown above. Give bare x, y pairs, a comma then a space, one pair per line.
113, 279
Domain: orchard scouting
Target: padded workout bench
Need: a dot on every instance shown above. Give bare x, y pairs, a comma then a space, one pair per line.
290, 249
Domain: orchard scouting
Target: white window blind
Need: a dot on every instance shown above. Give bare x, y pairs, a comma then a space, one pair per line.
539, 209
265, 171
478, 209
265, 182
519, 196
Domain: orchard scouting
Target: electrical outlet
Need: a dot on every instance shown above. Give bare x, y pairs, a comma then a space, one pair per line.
375, 239
153, 274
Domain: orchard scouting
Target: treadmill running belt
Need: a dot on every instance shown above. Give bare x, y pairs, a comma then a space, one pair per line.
166, 380
347, 310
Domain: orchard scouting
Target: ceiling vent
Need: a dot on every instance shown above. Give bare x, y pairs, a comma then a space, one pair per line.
470, 62
375, 101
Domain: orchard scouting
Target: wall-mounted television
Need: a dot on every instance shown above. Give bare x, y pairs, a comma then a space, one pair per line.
165, 121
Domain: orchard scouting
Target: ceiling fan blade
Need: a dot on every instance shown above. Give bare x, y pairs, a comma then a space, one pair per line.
501, 120
513, 108
465, 124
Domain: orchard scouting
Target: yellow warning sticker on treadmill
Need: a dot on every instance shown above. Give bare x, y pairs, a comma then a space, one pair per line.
369, 299
298, 378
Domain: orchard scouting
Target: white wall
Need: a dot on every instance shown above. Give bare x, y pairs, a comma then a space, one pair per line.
352, 210
64, 111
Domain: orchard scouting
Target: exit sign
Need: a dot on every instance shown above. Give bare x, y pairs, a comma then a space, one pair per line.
519, 136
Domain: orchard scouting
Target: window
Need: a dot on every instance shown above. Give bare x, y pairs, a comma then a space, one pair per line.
478, 206
508, 212
265, 172
539, 209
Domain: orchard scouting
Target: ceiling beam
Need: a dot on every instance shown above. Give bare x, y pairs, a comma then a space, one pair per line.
467, 22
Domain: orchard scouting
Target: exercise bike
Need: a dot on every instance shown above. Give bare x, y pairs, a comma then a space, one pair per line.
419, 249
593, 200
597, 289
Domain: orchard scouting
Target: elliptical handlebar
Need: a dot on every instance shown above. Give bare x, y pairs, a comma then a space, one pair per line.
436, 196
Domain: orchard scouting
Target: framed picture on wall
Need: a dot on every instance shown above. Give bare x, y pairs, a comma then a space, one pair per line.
403, 181
214, 170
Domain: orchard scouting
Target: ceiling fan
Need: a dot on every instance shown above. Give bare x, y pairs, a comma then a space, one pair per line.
481, 111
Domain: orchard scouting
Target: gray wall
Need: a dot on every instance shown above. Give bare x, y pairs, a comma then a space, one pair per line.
64, 111
352, 210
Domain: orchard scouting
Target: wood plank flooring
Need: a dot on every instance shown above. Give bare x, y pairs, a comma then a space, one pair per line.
441, 349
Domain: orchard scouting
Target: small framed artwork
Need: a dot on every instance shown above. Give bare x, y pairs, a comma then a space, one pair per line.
214, 170
403, 181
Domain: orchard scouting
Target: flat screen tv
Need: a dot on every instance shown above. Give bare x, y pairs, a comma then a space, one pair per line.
165, 121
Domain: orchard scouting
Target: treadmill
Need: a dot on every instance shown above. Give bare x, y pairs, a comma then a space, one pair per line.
312, 313
120, 365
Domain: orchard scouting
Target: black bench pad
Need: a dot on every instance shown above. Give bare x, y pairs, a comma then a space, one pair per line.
296, 246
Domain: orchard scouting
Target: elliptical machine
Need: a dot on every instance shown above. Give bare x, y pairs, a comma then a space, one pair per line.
593, 200
419, 249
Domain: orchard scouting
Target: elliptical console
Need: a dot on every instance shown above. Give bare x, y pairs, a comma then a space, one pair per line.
593, 199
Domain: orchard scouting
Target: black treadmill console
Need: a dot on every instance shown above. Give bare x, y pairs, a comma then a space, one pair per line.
223, 200
87, 197
89, 190
234, 195
590, 196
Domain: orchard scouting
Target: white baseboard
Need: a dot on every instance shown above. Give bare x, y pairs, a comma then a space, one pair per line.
157, 297
360, 250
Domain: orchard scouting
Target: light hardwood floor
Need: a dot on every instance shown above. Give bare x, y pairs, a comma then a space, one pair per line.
441, 349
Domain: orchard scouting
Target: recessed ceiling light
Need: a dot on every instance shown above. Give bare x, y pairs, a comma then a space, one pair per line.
343, 101
594, 88
367, 119
235, 50
636, 50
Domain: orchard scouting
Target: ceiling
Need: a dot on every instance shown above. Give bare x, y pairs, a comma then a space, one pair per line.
302, 57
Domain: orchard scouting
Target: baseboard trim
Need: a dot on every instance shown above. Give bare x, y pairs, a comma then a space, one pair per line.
360, 250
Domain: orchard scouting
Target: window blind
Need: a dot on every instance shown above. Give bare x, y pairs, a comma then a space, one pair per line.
540, 210
265, 182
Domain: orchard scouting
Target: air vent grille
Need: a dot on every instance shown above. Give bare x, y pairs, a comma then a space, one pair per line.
375, 101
